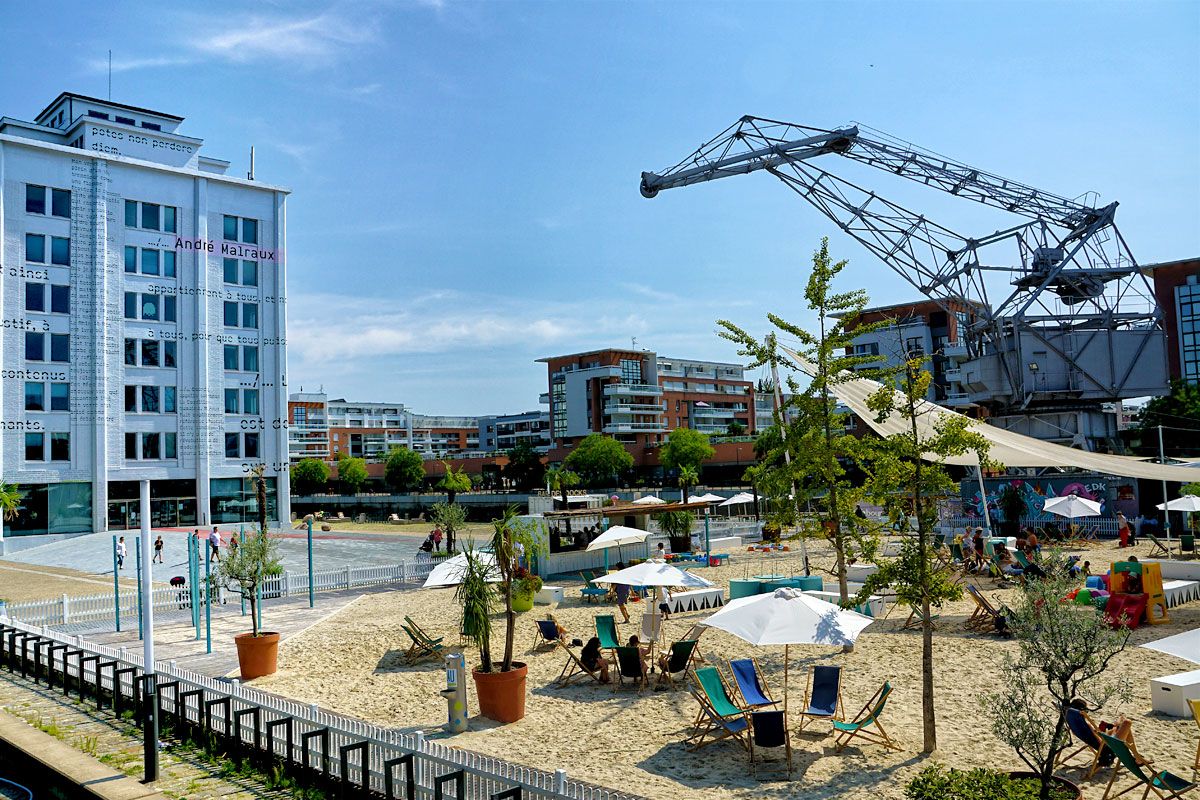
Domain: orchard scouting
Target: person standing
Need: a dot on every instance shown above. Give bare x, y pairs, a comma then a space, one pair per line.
233, 544
214, 541
1123, 530
121, 553
437, 537
158, 547
622, 590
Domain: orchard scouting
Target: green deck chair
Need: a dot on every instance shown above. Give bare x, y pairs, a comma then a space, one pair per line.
719, 717
863, 722
679, 661
606, 630
1164, 785
629, 667
422, 645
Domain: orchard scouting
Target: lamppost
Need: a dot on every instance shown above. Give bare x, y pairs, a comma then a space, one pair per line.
149, 676
308, 520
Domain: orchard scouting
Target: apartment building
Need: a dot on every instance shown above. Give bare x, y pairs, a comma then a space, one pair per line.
506, 431
144, 332
1177, 290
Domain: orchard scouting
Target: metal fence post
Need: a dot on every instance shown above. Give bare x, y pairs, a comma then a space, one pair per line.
560, 781
66, 609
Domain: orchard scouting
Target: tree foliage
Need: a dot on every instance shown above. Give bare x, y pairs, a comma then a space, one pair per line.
562, 479
677, 525
454, 481
525, 469
688, 477
244, 569
352, 472
1064, 651
1179, 414
309, 475
599, 460
403, 469
450, 517
10, 501
686, 448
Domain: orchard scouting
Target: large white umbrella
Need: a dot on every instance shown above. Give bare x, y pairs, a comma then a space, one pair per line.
616, 536
707, 498
649, 500
1183, 645
655, 573
1071, 506
451, 571
1189, 502
738, 499
787, 616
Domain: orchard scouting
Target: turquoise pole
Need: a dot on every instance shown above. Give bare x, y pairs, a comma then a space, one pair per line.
116, 588
208, 600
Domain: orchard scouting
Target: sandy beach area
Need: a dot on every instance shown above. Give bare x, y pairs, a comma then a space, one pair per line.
351, 663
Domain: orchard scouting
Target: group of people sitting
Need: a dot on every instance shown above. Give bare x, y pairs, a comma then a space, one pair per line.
592, 657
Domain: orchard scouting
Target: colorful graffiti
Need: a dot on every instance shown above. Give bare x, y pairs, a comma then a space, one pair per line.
1113, 494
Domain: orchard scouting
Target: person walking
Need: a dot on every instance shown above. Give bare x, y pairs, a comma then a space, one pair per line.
437, 537
121, 553
233, 544
158, 547
214, 541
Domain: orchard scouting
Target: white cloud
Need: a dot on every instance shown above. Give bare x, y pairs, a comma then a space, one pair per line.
316, 38
130, 64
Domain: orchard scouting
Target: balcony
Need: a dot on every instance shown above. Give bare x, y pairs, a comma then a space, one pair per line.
635, 427
544, 399
958, 399
709, 428
632, 390
618, 407
954, 350
716, 413
953, 375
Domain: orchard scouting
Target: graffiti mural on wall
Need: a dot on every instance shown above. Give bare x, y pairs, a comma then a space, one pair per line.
1113, 494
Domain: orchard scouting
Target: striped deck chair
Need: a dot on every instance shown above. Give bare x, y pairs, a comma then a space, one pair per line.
863, 722
985, 616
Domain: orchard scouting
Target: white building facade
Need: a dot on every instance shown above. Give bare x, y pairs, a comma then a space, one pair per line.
144, 333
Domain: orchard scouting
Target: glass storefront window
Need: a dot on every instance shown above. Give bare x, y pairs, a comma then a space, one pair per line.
235, 500
53, 508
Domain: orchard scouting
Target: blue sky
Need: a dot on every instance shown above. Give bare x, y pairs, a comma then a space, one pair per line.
465, 175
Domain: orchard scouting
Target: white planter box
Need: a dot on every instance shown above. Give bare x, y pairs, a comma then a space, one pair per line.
1170, 693
548, 595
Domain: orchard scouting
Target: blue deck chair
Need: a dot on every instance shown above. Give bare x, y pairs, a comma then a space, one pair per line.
719, 717
864, 720
1085, 733
606, 631
1164, 785
769, 729
745, 677
547, 632
823, 695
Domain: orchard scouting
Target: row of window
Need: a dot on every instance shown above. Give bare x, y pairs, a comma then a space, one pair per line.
152, 307
153, 353
249, 229
249, 357
150, 126
150, 399
35, 298
60, 446
249, 404
35, 346
35, 396
150, 446
35, 201
153, 262
248, 317
242, 445
247, 275
35, 250
153, 217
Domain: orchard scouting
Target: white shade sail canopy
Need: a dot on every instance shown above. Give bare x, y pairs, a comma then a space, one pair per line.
1189, 502
649, 500
1184, 645
451, 571
738, 499
616, 536
1008, 448
787, 616
655, 573
707, 498
1071, 506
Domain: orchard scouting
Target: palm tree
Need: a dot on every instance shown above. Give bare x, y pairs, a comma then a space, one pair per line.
10, 501
688, 476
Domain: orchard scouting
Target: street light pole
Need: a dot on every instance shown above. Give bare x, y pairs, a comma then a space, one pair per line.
149, 675
311, 580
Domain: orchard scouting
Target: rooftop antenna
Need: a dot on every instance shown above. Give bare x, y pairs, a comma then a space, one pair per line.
250, 174
633, 343
110, 76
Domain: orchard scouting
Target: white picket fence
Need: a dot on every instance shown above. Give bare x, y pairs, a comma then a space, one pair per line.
99, 609
1106, 526
485, 775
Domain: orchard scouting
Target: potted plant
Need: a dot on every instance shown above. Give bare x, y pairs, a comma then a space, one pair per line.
1064, 649
525, 586
678, 526
244, 571
500, 688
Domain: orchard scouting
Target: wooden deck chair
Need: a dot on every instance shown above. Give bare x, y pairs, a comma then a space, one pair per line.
693, 635
546, 632
1159, 546
913, 623
651, 626
422, 646
589, 593
985, 616
606, 631
769, 729
1195, 706
719, 718
746, 677
863, 722
1164, 785
1087, 735
823, 695
630, 668
574, 669
678, 662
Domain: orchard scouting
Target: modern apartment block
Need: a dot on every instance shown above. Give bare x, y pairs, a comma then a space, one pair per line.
1177, 290
325, 429
637, 397
506, 431
144, 330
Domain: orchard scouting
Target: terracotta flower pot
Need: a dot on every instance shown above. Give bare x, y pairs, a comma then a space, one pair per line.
1062, 783
502, 694
257, 655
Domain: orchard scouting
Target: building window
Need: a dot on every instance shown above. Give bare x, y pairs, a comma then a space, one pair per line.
231, 315
150, 217
231, 356
60, 397
250, 401
125, 120
60, 447
232, 445
168, 263
97, 114
168, 354
149, 262
169, 222
231, 401
169, 449
131, 215
168, 399
60, 251
60, 299
35, 199
168, 304
35, 248
35, 346
35, 447
631, 371
35, 397
249, 229
153, 217
131, 397
251, 445
231, 270
150, 446
150, 398
131, 305
60, 203
131, 259
35, 296
131, 352
131, 446
150, 306
152, 126
250, 273
249, 358
249, 315
149, 353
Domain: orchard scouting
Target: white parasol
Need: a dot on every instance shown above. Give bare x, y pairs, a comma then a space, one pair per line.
451, 571
649, 500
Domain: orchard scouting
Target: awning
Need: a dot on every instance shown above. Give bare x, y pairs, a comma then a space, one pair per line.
1008, 448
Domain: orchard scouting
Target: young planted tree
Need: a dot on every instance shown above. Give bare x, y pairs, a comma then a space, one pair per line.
454, 481
10, 501
816, 436
508, 530
561, 479
246, 568
450, 517
909, 487
352, 472
686, 449
1064, 650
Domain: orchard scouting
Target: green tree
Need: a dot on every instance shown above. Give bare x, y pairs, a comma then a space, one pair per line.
1179, 415
599, 460
562, 479
1064, 650
454, 481
816, 436
686, 448
450, 517
352, 472
525, 469
404, 470
257, 558
909, 488
10, 501
735, 429
310, 475
688, 477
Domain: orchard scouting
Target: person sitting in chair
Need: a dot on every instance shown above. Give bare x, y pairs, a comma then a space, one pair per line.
592, 659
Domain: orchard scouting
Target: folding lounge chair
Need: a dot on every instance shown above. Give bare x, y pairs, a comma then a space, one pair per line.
606, 630
629, 667
749, 686
590, 593
769, 729
913, 623
422, 645
680, 661
651, 626
1088, 736
1164, 785
1159, 545
574, 669
985, 616
864, 720
546, 633
823, 695
693, 635
719, 718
